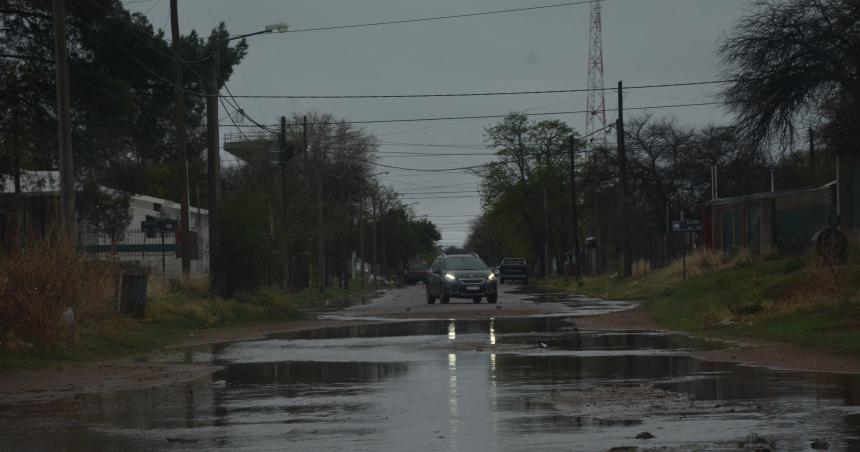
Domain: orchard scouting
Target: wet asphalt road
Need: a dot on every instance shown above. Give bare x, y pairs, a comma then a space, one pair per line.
533, 383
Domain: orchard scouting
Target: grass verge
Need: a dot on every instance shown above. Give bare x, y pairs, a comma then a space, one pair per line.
792, 300
171, 317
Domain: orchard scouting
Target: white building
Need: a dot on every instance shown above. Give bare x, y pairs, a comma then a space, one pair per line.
136, 245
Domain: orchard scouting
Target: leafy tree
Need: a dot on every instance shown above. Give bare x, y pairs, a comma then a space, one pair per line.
793, 60
530, 179
121, 72
106, 212
338, 158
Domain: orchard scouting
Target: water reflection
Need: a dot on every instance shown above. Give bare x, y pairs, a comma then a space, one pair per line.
384, 387
492, 331
453, 400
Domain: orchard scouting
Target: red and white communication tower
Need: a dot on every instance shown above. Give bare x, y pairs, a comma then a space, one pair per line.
596, 106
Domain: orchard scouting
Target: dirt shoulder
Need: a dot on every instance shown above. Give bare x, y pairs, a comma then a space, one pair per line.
749, 351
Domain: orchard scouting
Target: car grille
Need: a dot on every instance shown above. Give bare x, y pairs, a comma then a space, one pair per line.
472, 280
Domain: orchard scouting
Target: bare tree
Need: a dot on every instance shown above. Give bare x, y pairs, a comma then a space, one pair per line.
791, 60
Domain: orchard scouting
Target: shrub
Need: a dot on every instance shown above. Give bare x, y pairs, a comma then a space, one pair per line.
47, 291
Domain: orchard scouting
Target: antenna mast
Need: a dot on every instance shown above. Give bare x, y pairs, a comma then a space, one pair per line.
596, 107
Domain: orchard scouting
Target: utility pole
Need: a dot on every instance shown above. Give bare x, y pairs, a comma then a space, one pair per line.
373, 233
382, 241
213, 179
282, 138
573, 202
812, 154
545, 235
17, 145
181, 147
286, 155
361, 235
321, 267
64, 122
622, 169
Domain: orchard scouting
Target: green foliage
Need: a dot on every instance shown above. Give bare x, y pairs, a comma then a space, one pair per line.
532, 168
777, 299
105, 212
121, 72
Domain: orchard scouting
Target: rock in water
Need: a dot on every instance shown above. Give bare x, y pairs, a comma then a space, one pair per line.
820, 444
645, 435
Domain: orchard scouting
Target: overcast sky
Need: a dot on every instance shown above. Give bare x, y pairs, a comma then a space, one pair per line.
644, 42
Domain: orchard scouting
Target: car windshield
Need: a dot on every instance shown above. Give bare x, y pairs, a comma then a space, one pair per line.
464, 263
418, 267
513, 262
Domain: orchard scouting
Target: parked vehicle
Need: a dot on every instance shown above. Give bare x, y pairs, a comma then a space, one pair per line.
416, 272
513, 269
461, 276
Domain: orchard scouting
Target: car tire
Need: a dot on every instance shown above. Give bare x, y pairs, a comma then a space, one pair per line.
443, 298
526, 281
476, 300
492, 299
430, 298
501, 281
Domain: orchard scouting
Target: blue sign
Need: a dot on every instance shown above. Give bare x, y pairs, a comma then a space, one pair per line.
687, 225
159, 225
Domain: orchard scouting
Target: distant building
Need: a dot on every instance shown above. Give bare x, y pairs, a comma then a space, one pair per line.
30, 213
770, 222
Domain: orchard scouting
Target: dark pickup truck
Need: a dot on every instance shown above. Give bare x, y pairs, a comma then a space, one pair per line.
416, 272
513, 269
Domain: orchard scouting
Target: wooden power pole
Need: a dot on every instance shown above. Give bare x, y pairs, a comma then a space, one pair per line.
812, 154
573, 200
321, 236
181, 145
64, 122
622, 171
213, 180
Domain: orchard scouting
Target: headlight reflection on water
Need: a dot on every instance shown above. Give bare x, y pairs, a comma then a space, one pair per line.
492, 331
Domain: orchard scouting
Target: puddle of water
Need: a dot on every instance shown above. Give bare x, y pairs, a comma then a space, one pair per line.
456, 385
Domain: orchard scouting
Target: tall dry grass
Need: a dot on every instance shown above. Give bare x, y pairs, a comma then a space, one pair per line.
48, 290
703, 262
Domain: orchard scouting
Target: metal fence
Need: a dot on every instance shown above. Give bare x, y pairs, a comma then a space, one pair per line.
156, 250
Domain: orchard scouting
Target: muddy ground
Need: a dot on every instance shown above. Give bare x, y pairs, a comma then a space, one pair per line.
400, 304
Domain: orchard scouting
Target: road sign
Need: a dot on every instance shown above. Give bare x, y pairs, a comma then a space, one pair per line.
687, 225
159, 225
281, 156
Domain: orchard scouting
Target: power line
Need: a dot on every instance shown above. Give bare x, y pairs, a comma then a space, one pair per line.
437, 170
439, 197
472, 94
438, 192
464, 146
403, 155
453, 16
446, 118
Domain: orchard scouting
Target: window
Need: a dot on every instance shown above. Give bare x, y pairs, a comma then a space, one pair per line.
464, 263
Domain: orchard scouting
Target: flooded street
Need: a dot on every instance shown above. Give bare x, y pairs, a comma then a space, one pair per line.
534, 382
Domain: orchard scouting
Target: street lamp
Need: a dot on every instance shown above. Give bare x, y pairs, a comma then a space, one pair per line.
279, 27
213, 154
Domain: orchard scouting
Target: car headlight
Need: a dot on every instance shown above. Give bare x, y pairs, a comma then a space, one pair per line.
492, 277
450, 277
